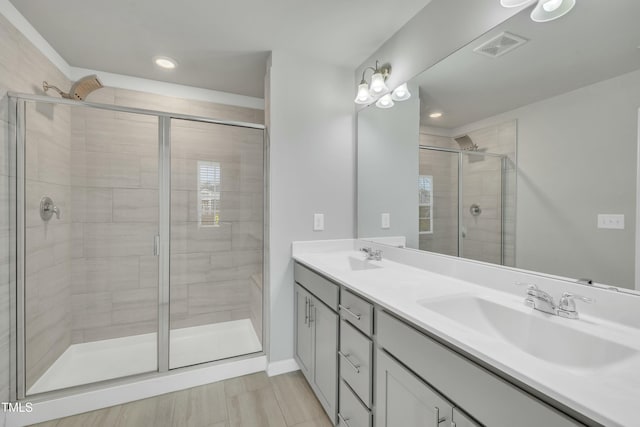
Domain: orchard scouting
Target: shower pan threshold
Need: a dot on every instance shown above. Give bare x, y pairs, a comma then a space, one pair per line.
119, 357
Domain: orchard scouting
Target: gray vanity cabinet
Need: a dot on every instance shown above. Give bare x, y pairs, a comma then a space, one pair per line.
316, 335
404, 399
325, 346
304, 339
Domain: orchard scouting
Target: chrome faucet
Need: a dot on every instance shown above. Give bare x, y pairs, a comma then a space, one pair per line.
372, 254
542, 301
538, 299
567, 305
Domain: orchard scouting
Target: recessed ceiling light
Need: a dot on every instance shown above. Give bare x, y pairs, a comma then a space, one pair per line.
165, 62
435, 115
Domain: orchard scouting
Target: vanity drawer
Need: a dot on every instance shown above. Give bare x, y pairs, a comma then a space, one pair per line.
357, 311
492, 400
325, 290
356, 361
352, 412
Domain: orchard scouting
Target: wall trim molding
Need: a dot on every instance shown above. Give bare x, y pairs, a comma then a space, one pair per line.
282, 367
123, 393
122, 81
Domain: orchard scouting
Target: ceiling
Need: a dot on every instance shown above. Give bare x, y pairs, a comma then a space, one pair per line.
595, 41
219, 45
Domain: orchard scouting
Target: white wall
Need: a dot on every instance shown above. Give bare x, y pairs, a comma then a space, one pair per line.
577, 158
388, 169
311, 171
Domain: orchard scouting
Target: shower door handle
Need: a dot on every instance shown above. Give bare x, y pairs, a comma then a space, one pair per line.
156, 245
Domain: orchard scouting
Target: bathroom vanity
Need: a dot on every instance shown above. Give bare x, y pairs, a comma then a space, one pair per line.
391, 343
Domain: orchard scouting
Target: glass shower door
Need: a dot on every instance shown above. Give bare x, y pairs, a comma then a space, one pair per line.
216, 248
438, 199
482, 198
89, 218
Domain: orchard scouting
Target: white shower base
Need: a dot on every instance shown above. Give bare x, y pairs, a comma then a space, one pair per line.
119, 357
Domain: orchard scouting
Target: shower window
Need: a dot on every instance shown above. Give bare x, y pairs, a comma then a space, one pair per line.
425, 204
209, 176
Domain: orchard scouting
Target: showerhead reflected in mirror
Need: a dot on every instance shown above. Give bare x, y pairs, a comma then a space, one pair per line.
541, 137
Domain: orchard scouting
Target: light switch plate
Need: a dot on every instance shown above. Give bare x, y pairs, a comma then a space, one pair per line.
385, 220
610, 221
318, 222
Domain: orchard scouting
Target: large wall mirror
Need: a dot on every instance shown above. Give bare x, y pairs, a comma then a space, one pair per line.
520, 149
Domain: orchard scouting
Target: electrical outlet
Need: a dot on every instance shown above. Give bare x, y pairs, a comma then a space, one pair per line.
318, 222
385, 220
609, 221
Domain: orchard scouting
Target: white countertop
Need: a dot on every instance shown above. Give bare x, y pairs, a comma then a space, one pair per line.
610, 395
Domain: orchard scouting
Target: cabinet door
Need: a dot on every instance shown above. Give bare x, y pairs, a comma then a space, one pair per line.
403, 399
325, 373
303, 332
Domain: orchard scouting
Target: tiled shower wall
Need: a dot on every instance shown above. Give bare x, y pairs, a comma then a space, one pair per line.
47, 243
481, 184
22, 69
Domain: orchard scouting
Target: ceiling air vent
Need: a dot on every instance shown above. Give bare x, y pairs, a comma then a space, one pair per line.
499, 45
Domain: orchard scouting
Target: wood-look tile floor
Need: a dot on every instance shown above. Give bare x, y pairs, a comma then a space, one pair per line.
251, 401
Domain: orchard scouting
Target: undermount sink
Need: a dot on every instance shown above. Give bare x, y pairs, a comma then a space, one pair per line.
531, 332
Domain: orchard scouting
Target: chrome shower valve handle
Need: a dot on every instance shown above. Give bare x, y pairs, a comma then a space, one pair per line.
48, 209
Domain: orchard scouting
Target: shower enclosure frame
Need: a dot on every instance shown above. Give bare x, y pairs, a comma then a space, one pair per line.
461, 153
17, 132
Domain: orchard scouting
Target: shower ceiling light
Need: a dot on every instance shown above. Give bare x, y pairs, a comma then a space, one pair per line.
165, 62
435, 115
548, 10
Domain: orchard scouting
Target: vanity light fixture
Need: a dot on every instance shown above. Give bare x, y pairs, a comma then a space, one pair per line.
378, 90
385, 102
165, 62
545, 10
548, 10
368, 92
401, 93
363, 97
514, 3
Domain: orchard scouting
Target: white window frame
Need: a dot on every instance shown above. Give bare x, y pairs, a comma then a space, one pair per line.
429, 203
215, 196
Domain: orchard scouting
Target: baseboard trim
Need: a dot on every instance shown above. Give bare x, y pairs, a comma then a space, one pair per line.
123, 393
282, 367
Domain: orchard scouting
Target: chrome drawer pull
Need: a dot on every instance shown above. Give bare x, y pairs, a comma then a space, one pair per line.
343, 419
306, 310
353, 365
342, 307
